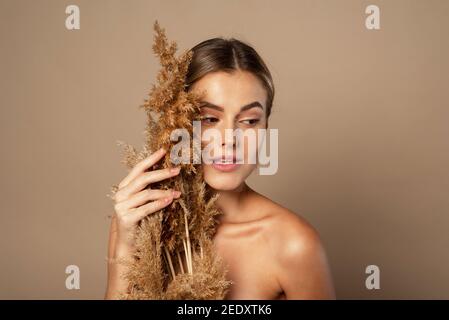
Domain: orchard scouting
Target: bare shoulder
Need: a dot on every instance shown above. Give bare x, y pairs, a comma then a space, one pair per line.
289, 231
296, 239
301, 265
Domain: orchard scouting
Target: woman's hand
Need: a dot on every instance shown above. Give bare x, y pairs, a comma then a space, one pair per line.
133, 202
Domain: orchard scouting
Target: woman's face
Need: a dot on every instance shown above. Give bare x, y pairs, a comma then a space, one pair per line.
234, 100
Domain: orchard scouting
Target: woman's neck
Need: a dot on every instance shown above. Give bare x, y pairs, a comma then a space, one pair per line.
231, 203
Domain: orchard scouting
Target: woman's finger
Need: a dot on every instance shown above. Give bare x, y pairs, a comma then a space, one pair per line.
138, 214
143, 165
145, 196
143, 180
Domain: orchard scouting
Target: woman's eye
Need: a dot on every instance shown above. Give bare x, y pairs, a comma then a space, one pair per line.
209, 119
250, 121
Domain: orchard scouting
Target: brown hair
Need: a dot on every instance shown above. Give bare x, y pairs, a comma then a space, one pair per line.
219, 54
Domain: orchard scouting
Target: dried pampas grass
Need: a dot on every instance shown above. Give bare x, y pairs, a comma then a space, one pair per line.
174, 257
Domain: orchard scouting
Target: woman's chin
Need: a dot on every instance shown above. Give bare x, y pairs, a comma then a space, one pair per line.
223, 181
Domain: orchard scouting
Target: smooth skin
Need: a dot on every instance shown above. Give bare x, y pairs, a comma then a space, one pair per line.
270, 251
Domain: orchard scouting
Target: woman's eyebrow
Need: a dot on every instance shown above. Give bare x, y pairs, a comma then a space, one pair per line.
255, 104
205, 104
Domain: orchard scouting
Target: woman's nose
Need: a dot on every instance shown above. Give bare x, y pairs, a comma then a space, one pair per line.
227, 134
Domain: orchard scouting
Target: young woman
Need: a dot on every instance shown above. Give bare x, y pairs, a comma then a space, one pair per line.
271, 252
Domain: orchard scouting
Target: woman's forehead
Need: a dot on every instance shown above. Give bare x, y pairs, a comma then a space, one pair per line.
234, 89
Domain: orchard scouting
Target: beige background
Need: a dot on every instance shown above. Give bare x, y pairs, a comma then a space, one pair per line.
362, 117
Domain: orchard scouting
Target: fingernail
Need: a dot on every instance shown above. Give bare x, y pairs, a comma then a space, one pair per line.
176, 194
167, 200
175, 170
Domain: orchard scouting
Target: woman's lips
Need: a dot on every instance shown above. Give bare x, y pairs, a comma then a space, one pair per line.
225, 167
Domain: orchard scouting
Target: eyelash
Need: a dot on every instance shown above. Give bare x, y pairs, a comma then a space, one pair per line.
256, 121
208, 120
